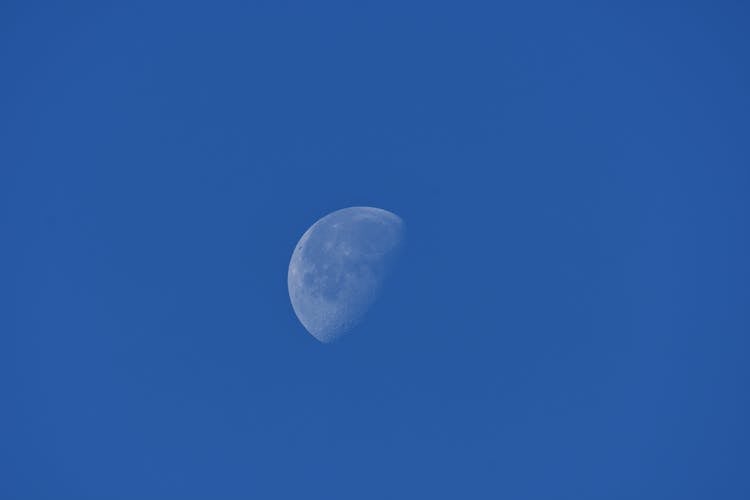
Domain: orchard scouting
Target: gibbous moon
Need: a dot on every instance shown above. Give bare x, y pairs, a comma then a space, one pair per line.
338, 268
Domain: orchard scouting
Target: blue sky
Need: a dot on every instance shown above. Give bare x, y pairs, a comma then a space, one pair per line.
570, 316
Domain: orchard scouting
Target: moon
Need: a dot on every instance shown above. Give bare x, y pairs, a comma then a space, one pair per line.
338, 268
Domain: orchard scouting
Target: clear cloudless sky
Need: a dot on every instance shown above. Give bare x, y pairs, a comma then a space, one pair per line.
569, 319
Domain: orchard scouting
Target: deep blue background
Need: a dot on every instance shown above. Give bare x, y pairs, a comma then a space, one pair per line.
570, 319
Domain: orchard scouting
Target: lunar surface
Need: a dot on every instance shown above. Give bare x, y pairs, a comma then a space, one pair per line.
338, 268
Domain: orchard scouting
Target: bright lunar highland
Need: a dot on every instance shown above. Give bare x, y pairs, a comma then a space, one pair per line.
338, 268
